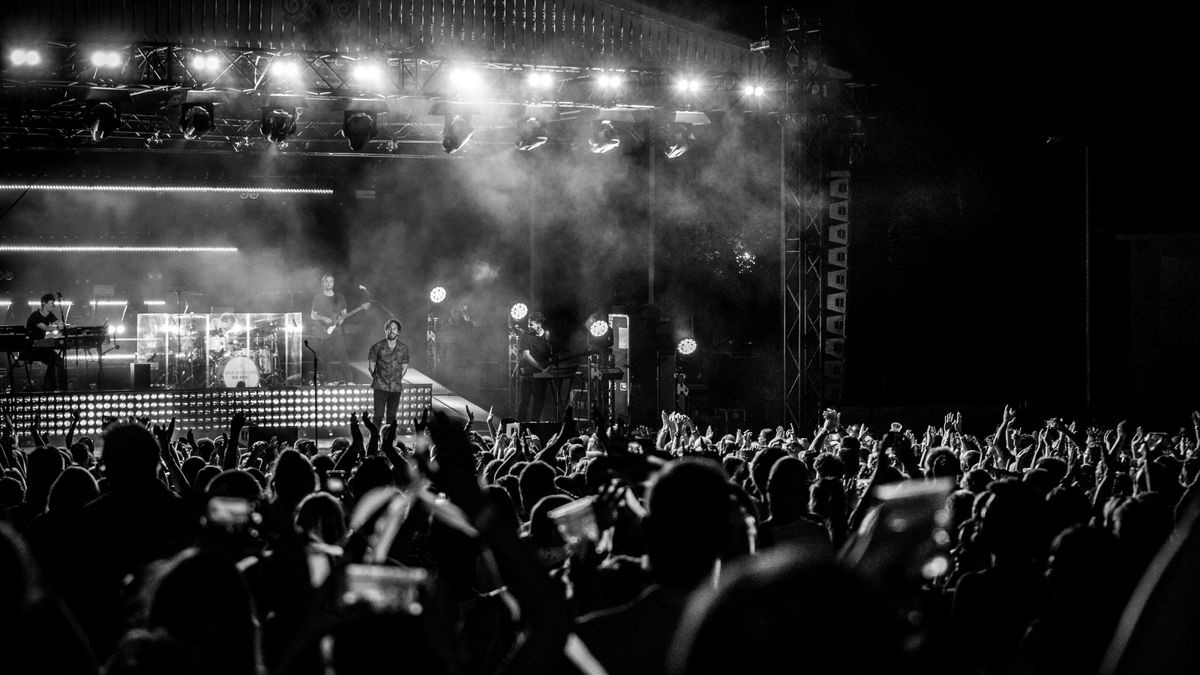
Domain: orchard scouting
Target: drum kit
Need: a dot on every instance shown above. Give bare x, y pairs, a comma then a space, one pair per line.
246, 358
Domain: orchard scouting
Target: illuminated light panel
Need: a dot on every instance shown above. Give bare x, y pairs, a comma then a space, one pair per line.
687, 346
155, 303
599, 328
437, 295
518, 311
53, 187
116, 249
110, 303
37, 302
5, 303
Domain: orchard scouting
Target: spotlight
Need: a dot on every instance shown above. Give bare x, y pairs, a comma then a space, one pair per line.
437, 295
518, 311
532, 135
599, 328
102, 59
540, 80
287, 69
465, 80
368, 73
25, 57
112, 330
680, 139
278, 124
103, 120
195, 120
604, 139
748, 90
686, 347
198, 62
759, 91
121, 329
359, 128
456, 133
694, 86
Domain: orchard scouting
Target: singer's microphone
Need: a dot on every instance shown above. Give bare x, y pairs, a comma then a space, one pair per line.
306, 343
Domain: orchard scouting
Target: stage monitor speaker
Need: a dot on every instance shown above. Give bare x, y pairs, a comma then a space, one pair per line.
263, 433
139, 376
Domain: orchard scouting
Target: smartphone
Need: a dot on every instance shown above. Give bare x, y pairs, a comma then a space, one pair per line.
512, 429
903, 538
232, 514
897, 427
385, 588
576, 521
335, 481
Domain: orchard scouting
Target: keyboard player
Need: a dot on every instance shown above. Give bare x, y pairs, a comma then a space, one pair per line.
536, 352
42, 321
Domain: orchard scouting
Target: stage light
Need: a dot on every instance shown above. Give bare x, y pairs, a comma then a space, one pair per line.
278, 124
25, 57
466, 80
54, 187
518, 311
359, 128
748, 90
456, 133
540, 80
367, 72
112, 330
759, 91
437, 295
103, 120
532, 135
686, 347
599, 328
105, 59
679, 141
121, 329
285, 69
605, 138
195, 120
154, 303
109, 303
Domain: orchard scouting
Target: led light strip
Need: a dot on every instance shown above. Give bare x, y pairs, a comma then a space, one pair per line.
55, 187
21, 248
110, 303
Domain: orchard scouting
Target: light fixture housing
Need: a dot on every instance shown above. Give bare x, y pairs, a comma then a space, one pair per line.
456, 133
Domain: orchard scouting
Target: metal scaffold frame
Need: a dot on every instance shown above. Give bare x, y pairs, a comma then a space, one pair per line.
813, 231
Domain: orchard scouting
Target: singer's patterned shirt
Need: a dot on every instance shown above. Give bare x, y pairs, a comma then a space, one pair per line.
389, 365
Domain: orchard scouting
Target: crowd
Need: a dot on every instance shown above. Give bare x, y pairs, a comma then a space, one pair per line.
1038, 548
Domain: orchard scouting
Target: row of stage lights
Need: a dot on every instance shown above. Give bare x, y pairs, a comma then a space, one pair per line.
263, 406
598, 329
371, 73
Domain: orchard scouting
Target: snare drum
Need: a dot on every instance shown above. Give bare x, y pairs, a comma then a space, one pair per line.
238, 370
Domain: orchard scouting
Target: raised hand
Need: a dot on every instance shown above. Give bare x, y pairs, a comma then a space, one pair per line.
957, 422
490, 417
237, 424
470, 416
164, 435
1008, 416
369, 424
356, 437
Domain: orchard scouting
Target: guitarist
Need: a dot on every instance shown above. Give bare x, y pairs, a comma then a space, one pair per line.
536, 353
329, 310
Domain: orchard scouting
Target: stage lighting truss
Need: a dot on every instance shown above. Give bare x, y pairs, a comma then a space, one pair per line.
518, 311
437, 295
686, 347
395, 79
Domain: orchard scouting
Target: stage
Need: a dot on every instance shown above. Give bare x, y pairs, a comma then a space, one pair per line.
208, 411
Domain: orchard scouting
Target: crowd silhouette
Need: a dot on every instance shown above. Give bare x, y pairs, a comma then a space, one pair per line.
1031, 548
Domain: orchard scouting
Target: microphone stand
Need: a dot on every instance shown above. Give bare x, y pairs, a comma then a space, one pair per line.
316, 364
373, 301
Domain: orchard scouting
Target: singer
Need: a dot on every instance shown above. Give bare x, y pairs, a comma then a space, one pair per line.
42, 321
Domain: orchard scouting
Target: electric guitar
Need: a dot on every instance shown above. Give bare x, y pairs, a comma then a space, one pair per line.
337, 320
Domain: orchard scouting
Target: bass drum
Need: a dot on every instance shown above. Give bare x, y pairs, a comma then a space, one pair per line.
238, 370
